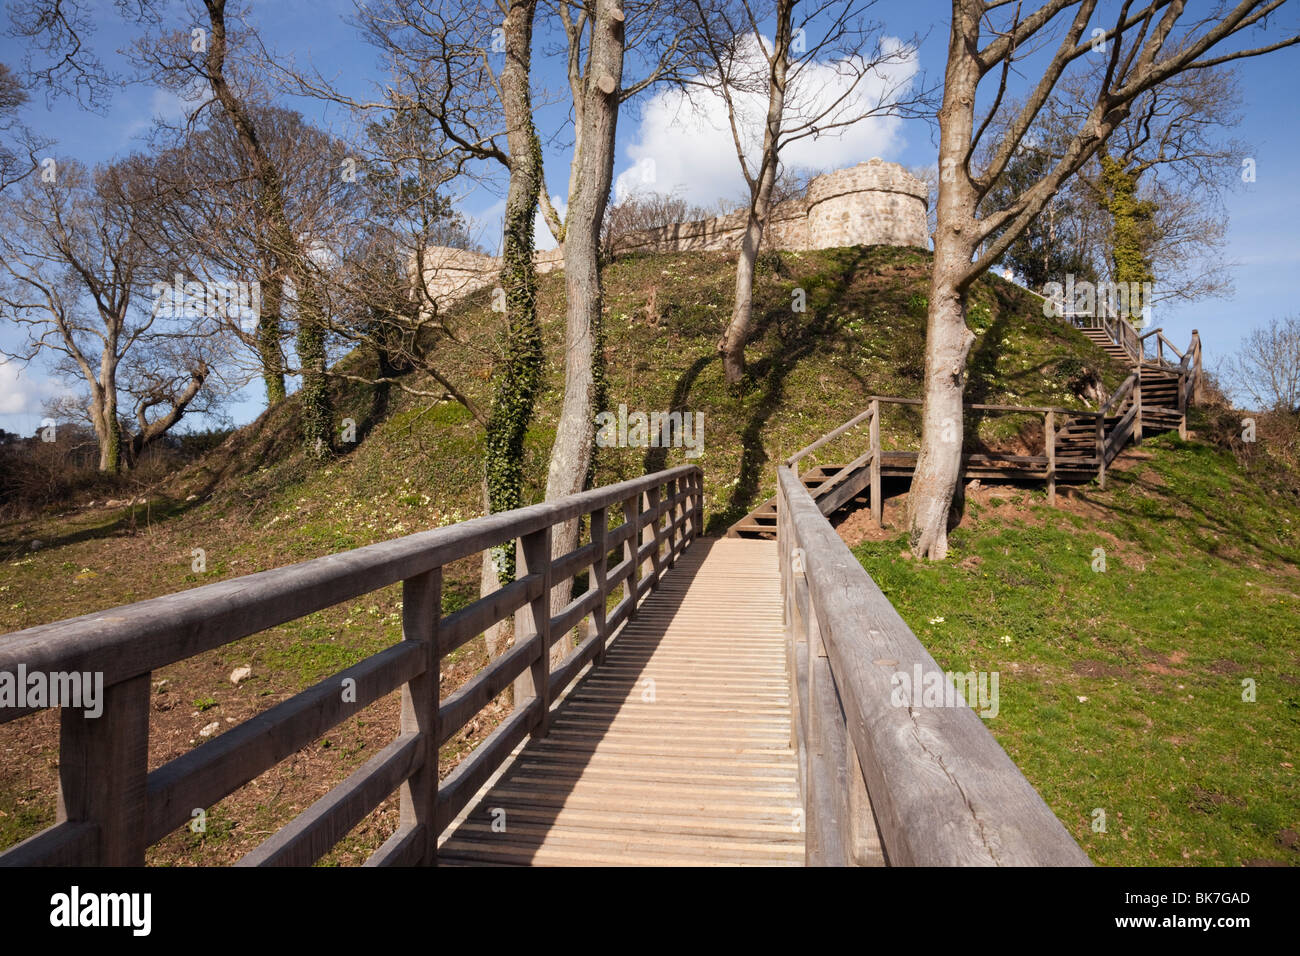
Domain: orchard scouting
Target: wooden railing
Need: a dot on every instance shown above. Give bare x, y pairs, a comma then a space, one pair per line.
883, 782
111, 808
1044, 466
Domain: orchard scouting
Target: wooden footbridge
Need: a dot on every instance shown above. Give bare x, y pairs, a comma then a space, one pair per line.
694, 701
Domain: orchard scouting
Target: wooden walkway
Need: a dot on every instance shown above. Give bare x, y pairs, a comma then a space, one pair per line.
676, 750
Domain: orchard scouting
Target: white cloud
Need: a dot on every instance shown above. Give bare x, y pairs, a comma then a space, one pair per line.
685, 145
22, 393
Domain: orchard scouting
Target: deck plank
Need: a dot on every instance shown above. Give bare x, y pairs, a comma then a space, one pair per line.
696, 769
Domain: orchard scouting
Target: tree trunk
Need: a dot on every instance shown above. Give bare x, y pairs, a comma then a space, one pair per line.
268, 339
738, 329
316, 410
948, 340
598, 116
108, 430
515, 390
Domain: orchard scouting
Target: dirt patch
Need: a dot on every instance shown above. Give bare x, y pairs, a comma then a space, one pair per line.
1097, 669
1207, 800
1224, 666
1165, 664
1289, 838
856, 526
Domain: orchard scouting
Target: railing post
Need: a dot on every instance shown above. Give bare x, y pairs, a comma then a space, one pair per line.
1182, 405
1137, 403
103, 764
673, 489
1196, 367
421, 611
650, 532
632, 518
599, 571
695, 503
1101, 449
877, 504
1049, 433
533, 556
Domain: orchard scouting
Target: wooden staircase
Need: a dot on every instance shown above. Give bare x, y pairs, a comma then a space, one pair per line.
831, 486
1078, 445
1102, 338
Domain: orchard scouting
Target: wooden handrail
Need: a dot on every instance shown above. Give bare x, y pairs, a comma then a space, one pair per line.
928, 785
828, 437
111, 809
1120, 393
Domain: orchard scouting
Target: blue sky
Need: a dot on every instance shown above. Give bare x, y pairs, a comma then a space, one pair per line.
1262, 215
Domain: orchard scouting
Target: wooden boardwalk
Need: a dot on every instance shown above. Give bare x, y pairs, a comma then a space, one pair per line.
676, 750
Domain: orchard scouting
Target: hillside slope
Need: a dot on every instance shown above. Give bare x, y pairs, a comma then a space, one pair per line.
255, 503
1147, 639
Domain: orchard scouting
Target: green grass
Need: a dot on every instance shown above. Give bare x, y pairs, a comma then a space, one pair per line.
1123, 689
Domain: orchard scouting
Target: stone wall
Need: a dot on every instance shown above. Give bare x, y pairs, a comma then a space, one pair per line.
872, 203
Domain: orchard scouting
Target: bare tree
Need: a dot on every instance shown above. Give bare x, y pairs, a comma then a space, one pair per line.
1266, 368
75, 268
206, 218
728, 39
222, 56
1142, 49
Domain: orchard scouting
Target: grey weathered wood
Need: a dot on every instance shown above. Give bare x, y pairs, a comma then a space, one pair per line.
1100, 442
110, 810
570, 564
1049, 433
864, 834
406, 847
600, 576
203, 776
533, 556
523, 660
943, 791
421, 611
138, 638
64, 844
473, 619
631, 527
571, 666
829, 832
472, 772
103, 763
576, 610
877, 502
314, 832
648, 553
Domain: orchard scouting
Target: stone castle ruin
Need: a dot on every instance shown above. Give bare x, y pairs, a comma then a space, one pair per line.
872, 203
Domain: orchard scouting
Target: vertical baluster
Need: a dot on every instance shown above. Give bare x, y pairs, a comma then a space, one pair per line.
421, 611
1049, 431
533, 556
599, 570
632, 522
103, 763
